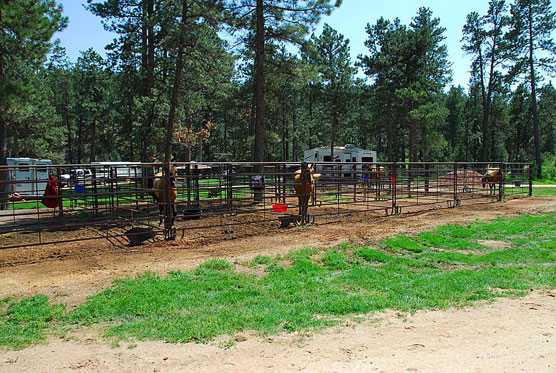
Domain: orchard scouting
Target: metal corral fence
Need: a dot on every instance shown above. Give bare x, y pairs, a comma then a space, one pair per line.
127, 203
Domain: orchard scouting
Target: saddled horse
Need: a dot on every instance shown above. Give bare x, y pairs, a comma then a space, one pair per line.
492, 177
304, 184
165, 192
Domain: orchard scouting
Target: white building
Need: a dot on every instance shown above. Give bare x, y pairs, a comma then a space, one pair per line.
28, 176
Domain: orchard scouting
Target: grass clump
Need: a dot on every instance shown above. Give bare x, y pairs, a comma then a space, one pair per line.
435, 240
334, 259
403, 242
25, 322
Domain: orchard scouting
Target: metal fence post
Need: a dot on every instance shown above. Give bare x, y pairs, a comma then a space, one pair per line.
95, 191
393, 183
501, 181
456, 183
60, 192
304, 196
354, 178
169, 233
530, 179
229, 189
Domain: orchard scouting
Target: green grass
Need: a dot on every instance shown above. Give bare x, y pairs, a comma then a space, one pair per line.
548, 191
26, 322
310, 287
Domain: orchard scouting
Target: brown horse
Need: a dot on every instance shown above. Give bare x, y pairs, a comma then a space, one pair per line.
377, 179
164, 191
492, 177
304, 183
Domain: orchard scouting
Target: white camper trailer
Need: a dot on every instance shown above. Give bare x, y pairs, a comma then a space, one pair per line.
348, 153
28, 176
126, 170
342, 154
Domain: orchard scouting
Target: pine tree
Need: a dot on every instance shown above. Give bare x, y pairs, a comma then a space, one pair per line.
533, 50
25, 32
330, 54
273, 20
484, 41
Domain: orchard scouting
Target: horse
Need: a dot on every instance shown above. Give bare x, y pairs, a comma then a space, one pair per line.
304, 183
164, 193
492, 176
377, 176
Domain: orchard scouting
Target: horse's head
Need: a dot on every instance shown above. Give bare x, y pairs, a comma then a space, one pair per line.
173, 175
313, 177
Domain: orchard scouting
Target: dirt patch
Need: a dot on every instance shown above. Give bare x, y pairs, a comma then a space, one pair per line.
495, 244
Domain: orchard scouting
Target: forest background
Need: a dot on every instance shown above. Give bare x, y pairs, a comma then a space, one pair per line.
249, 80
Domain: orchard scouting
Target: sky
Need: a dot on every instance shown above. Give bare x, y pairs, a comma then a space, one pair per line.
85, 30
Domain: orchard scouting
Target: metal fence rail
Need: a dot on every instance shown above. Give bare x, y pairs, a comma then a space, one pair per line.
129, 203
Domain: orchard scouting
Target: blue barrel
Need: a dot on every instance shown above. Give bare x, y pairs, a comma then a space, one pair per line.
79, 188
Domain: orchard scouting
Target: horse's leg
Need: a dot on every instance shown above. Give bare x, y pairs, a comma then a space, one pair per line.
306, 204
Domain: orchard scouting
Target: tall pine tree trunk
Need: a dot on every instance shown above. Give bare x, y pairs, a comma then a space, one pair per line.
534, 99
334, 127
390, 133
259, 146
67, 121
412, 141
175, 90
147, 67
93, 157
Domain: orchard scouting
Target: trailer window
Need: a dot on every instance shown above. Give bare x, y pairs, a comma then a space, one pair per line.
327, 158
368, 159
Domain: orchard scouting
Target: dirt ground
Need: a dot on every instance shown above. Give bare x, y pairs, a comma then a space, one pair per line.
508, 335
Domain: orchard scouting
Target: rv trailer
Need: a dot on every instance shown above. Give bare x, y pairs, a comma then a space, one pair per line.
342, 154
28, 176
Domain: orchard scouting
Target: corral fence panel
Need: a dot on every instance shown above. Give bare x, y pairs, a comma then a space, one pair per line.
127, 203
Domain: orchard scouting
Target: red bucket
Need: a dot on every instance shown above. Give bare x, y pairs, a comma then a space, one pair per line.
277, 207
